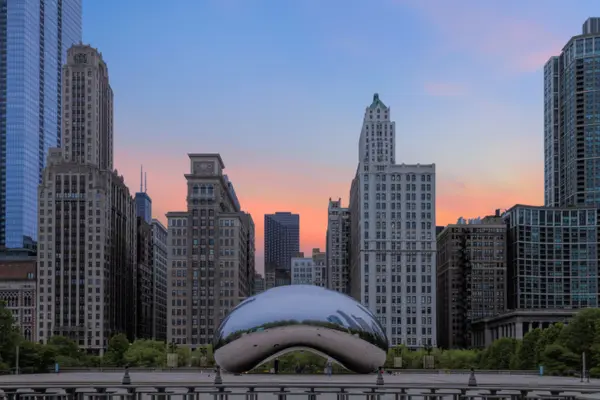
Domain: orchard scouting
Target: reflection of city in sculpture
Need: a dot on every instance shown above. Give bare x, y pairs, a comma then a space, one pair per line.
288, 318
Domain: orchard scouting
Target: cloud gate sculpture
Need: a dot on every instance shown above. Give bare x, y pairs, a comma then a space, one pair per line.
287, 318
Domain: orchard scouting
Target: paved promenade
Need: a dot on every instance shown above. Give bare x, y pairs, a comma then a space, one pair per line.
191, 378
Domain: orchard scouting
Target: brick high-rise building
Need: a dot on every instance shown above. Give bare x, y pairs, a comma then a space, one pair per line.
471, 278
87, 222
338, 247
210, 254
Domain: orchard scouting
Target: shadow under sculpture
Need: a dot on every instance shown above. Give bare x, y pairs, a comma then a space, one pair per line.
288, 318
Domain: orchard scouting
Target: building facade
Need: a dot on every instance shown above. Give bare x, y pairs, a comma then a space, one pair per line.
259, 284
571, 121
553, 254
18, 292
143, 202
392, 218
471, 278
338, 247
159, 281
310, 271
87, 223
34, 38
282, 242
144, 281
209, 249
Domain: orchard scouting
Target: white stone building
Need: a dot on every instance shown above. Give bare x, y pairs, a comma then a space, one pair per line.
393, 242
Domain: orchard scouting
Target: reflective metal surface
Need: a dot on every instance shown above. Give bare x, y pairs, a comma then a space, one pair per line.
305, 316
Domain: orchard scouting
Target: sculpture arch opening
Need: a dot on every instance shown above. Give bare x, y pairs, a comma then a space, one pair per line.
304, 363
300, 316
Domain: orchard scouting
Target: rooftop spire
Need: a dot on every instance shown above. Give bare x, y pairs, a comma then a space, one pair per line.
377, 102
145, 183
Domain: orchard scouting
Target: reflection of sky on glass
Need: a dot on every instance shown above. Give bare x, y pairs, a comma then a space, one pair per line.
298, 303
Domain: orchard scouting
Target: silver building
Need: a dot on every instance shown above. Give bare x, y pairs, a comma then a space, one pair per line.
392, 213
338, 245
87, 221
210, 254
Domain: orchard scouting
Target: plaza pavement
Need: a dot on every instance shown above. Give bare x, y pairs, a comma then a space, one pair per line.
190, 378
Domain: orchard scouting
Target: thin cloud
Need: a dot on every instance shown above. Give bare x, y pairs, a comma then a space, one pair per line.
444, 89
519, 44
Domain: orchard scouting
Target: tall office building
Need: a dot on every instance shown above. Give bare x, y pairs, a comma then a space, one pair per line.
34, 38
143, 202
282, 242
553, 257
338, 247
87, 222
471, 277
159, 281
571, 121
143, 285
209, 251
392, 233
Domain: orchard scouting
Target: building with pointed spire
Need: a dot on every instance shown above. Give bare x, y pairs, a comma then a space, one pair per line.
392, 234
87, 222
143, 202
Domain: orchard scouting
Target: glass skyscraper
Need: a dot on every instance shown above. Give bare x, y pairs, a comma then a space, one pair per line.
34, 38
572, 121
282, 242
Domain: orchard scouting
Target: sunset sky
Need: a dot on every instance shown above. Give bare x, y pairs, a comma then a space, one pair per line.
279, 88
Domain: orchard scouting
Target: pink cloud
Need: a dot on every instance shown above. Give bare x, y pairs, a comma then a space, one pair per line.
444, 89
483, 28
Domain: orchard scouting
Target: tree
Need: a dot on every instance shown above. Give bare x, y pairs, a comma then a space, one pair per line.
500, 354
527, 357
9, 337
548, 337
581, 333
117, 347
146, 353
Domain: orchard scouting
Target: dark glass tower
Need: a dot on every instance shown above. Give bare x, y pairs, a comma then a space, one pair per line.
572, 122
34, 38
282, 242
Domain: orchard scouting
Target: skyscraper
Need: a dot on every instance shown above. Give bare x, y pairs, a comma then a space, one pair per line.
210, 254
87, 224
143, 202
338, 246
571, 122
282, 242
392, 234
34, 38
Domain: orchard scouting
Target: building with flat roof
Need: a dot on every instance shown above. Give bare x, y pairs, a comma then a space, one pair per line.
471, 278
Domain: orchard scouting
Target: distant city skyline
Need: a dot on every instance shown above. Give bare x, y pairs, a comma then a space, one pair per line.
284, 109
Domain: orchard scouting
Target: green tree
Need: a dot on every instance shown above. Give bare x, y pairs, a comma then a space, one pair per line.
527, 357
117, 347
500, 354
558, 360
548, 337
581, 333
9, 338
35, 358
146, 353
